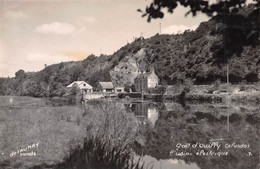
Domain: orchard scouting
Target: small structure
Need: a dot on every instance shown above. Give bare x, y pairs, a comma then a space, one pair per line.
82, 86
119, 89
144, 81
93, 95
105, 87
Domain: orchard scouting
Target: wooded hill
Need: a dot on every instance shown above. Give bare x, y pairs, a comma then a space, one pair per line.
194, 57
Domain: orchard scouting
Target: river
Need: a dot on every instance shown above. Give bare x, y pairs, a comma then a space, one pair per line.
197, 136
163, 135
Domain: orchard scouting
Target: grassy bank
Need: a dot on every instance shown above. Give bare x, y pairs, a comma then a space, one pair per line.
100, 154
58, 130
22, 101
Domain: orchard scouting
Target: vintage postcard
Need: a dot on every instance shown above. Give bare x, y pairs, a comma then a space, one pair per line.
129, 84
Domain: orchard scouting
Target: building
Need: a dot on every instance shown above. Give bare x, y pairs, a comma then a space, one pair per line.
144, 81
82, 86
105, 87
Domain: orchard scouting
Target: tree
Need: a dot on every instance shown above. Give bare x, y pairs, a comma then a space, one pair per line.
74, 89
227, 7
76, 72
20, 74
30, 87
240, 22
2, 86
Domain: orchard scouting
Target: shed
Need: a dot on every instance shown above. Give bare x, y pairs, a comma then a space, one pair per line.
119, 89
106, 87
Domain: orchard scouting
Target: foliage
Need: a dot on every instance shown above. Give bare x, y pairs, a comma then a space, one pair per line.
221, 8
158, 90
240, 23
109, 133
129, 88
175, 58
107, 145
96, 154
20, 74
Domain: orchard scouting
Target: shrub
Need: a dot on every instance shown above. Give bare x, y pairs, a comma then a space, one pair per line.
97, 154
158, 90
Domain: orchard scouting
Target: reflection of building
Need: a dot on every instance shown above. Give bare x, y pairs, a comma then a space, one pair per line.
105, 87
144, 81
153, 115
144, 112
82, 86
140, 109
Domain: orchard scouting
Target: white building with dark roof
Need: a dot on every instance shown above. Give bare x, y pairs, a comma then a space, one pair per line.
82, 86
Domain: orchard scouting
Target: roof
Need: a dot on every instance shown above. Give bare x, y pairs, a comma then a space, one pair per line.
144, 75
106, 85
80, 85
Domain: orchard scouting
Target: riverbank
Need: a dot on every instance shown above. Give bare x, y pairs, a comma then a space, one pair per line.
203, 94
34, 133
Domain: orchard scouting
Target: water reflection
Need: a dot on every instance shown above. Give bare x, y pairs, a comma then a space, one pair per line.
164, 125
152, 115
151, 162
144, 112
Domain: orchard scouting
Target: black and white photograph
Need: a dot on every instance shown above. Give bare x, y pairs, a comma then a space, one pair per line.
129, 84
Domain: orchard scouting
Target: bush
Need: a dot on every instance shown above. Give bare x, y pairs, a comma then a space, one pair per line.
158, 90
99, 154
110, 133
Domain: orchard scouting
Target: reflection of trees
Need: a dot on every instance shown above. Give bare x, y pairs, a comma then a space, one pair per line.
191, 126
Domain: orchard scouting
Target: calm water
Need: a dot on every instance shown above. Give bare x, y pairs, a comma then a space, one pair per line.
170, 136
197, 136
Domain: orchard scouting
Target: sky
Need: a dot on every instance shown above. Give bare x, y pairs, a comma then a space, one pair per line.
34, 33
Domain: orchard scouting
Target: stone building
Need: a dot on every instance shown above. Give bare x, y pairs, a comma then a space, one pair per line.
144, 81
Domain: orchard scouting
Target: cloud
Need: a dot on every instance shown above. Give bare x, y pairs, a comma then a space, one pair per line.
16, 15
82, 30
56, 28
88, 19
84, 21
176, 29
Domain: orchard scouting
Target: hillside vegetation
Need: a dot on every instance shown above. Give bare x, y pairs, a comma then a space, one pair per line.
194, 57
